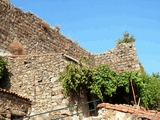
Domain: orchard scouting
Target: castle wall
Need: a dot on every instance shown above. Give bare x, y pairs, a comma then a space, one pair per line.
4, 52
35, 35
34, 77
122, 58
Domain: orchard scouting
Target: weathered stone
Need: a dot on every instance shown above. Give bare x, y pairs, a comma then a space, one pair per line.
12, 104
35, 75
17, 113
65, 101
8, 115
2, 118
118, 57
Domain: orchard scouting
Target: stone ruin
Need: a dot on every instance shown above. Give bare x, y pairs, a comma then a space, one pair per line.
36, 53
13, 106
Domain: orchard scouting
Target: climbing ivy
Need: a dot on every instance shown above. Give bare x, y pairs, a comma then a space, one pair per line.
102, 81
3, 68
76, 77
4, 74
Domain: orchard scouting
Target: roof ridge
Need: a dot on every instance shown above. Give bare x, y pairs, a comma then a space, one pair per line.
13, 93
131, 109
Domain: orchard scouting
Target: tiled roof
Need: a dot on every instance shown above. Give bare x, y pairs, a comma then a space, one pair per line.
13, 93
150, 114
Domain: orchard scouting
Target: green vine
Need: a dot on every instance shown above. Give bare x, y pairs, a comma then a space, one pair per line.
4, 74
3, 68
102, 82
76, 77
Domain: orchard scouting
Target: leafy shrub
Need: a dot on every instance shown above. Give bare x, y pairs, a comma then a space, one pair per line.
126, 38
105, 83
156, 75
76, 77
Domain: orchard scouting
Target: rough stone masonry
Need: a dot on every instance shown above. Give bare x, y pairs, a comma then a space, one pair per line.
34, 36
34, 74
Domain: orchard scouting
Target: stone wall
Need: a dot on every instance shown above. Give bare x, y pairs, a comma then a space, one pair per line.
35, 35
4, 52
34, 77
123, 57
7, 1
34, 74
13, 105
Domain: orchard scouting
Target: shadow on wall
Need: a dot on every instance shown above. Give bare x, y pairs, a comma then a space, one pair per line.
5, 80
4, 75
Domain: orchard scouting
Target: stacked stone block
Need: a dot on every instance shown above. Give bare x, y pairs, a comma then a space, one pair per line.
34, 75
13, 105
33, 33
37, 37
122, 58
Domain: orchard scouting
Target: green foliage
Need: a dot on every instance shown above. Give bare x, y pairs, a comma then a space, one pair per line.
126, 38
76, 77
3, 68
102, 81
4, 75
156, 75
150, 91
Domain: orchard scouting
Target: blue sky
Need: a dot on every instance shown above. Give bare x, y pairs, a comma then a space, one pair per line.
97, 24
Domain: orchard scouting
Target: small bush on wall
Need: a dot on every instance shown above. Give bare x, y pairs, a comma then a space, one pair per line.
16, 48
126, 38
57, 27
45, 26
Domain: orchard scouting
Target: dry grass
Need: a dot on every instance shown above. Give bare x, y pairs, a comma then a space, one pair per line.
57, 27
16, 48
45, 26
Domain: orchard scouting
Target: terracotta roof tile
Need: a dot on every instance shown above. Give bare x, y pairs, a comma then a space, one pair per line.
150, 114
119, 108
13, 93
131, 111
124, 110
